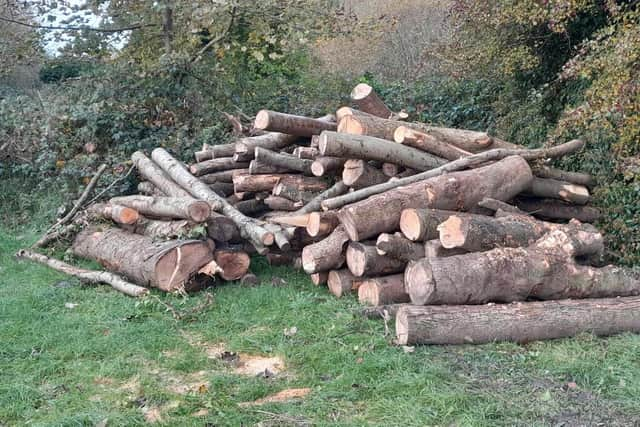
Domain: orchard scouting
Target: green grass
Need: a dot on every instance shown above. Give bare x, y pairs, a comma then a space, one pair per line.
113, 358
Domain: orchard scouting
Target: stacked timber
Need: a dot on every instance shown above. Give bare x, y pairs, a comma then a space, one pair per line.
453, 232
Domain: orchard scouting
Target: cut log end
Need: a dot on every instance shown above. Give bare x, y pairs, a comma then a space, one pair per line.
418, 282
317, 169
319, 278
356, 259
452, 234
360, 92
262, 120
411, 225
348, 124
175, 269
199, 211
125, 215
368, 294
234, 264
402, 328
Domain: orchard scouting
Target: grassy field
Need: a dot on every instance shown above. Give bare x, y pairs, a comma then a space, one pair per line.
82, 355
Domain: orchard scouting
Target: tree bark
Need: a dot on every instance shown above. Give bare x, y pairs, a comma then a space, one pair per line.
359, 174
370, 148
255, 183
544, 270
234, 264
319, 279
477, 233
222, 189
383, 291
148, 189
518, 322
421, 225
455, 191
249, 229
322, 223
434, 249
245, 148
293, 192
368, 101
342, 282
428, 143
284, 161
167, 230
216, 165
309, 153
398, 247
364, 260
560, 175
221, 228
222, 176
391, 170
169, 266
315, 204
119, 214
327, 254
215, 152
90, 276
497, 205
277, 203
155, 175
291, 124
551, 209
258, 168
551, 188
324, 165
462, 163
292, 220
342, 112
166, 207
251, 206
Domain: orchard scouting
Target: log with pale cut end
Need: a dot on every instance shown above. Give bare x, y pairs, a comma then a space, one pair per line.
342, 282
156, 176
166, 230
383, 290
166, 207
147, 188
222, 176
309, 153
518, 322
366, 98
359, 174
455, 191
116, 213
316, 204
282, 204
291, 124
284, 161
248, 227
475, 160
421, 225
245, 147
478, 233
560, 175
215, 151
544, 270
292, 191
364, 260
234, 264
325, 165
216, 165
326, 254
398, 247
425, 142
257, 168
292, 220
554, 189
322, 223
319, 279
90, 276
169, 265
371, 148
434, 249
555, 209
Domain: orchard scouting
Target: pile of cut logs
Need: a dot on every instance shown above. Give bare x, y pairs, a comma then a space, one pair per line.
452, 232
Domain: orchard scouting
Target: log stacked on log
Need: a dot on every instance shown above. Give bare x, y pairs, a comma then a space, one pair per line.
458, 223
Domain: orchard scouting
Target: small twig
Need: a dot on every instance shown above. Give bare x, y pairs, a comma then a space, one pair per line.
81, 28
110, 186
198, 56
84, 196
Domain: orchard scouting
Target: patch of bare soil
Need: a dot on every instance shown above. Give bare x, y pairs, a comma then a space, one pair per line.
279, 397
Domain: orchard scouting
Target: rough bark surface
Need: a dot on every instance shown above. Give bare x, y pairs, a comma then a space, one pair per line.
364, 260
291, 124
425, 142
421, 225
165, 230
552, 209
166, 207
245, 147
316, 204
215, 151
360, 174
223, 176
327, 254
234, 264
283, 161
155, 175
282, 204
216, 165
399, 247
325, 165
561, 190
368, 101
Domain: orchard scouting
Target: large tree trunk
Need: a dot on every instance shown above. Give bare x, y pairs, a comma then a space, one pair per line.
342, 282
291, 124
383, 290
167, 207
90, 276
544, 270
551, 209
216, 165
456, 191
370, 148
169, 266
284, 161
327, 254
421, 225
477, 233
116, 213
368, 101
364, 260
324, 165
518, 322
155, 175
249, 228
360, 174
398, 247
425, 142
554, 189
